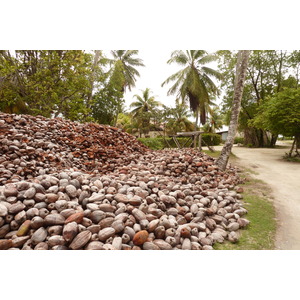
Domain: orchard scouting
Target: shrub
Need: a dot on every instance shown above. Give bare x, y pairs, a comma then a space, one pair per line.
158, 143
211, 139
239, 140
152, 143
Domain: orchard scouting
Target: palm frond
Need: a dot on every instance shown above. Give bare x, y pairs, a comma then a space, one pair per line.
211, 87
212, 72
178, 75
206, 59
193, 83
139, 98
198, 54
175, 88
178, 57
117, 54
136, 62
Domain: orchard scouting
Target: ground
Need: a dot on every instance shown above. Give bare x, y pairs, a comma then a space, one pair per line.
284, 180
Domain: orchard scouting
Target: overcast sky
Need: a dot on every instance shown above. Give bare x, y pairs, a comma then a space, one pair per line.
155, 72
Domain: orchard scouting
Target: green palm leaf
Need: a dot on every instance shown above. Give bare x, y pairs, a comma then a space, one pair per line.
126, 59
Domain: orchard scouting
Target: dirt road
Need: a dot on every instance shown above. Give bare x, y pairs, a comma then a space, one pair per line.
284, 179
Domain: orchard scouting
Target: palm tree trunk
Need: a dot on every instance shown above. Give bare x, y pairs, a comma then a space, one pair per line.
241, 69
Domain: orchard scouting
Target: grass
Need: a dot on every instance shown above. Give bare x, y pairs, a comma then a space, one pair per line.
291, 159
260, 233
216, 153
250, 171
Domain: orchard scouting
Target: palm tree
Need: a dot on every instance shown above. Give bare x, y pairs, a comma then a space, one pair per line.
193, 82
126, 122
215, 120
241, 70
123, 62
142, 109
179, 118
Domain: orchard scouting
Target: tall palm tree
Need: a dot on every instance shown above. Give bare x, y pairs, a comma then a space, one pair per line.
241, 70
193, 82
142, 109
124, 62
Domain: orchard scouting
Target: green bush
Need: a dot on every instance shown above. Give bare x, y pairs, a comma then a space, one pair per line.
152, 143
211, 139
239, 140
158, 143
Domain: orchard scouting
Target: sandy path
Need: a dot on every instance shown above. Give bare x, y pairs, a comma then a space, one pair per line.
284, 180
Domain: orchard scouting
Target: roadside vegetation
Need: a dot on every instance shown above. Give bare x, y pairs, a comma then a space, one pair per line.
158, 143
260, 233
292, 159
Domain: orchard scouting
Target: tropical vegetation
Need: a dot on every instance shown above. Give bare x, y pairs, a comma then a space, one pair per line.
89, 86
194, 82
280, 114
74, 84
269, 72
142, 110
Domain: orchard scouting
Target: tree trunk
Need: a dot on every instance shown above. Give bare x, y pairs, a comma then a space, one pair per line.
260, 138
273, 140
250, 137
241, 69
291, 150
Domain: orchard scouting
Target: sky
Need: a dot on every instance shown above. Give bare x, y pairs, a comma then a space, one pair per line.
155, 72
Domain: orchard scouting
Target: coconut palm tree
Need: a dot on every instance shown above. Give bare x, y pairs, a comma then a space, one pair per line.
142, 109
178, 120
193, 82
241, 70
214, 120
124, 62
